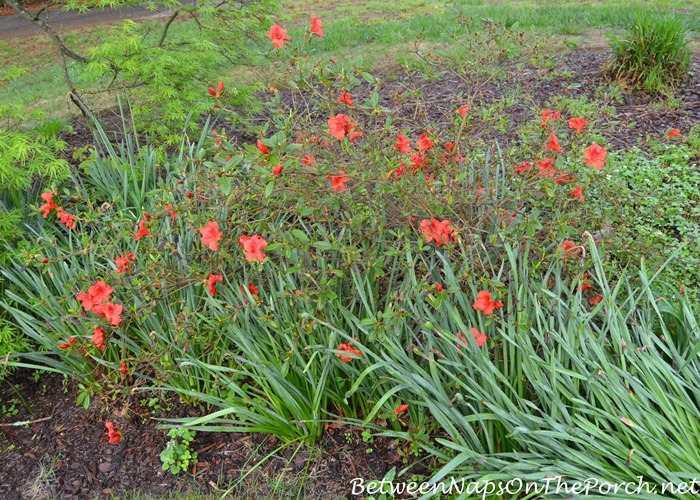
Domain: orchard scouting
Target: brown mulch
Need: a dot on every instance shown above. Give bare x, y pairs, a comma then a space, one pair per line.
417, 102
579, 73
65, 453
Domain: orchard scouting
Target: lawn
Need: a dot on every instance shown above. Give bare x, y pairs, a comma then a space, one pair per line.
294, 256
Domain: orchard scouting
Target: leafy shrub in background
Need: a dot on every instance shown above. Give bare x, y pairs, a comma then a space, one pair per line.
29, 161
655, 55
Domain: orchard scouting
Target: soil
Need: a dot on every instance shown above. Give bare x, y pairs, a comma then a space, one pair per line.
637, 118
63, 452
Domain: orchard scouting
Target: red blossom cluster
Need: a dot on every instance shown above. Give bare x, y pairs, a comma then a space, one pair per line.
351, 350
217, 93
341, 125
484, 303
63, 217
123, 262
479, 337
441, 232
338, 181
113, 435
97, 300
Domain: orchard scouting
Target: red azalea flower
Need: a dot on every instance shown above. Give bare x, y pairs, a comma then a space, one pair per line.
114, 436
65, 218
86, 300
403, 144
463, 111
553, 144
278, 35
439, 231
673, 133
309, 161
172, 213
110, 312
577, 124
316, 26
68, 344
417, 162
263, 149
424, 144
254, 290
142, 231
570, 247
479, 337
98, 338
354, 135
211, 283
485, 304
565, 178
338, 181
123, 368
584, 284
596, 299
400, 409
347, 348
278, 169
522, 167
211, 235
595, 156
338, 125
49, 205
97, 294
123, 262
346, 98
253, 247
547, 115
216, 93
546, 168
577, 193
398, 172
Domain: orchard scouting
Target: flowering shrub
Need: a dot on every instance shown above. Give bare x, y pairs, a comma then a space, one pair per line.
341, 265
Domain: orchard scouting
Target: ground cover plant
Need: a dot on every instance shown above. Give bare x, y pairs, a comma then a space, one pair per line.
496, 309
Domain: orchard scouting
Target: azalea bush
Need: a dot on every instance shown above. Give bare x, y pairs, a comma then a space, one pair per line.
344, 266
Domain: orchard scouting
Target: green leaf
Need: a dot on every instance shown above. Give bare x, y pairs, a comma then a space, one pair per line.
323, 245
225, 185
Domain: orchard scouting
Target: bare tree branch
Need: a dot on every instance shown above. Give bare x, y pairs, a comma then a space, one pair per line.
165, 28
34, 18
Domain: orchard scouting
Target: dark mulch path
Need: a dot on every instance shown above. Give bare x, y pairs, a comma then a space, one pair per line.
576, 74
73, 444
416, 102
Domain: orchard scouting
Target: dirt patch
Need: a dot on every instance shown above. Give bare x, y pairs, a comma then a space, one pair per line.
65, 452
626, 118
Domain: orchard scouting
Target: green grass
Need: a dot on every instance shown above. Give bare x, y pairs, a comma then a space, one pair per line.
567, 17
371, 33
